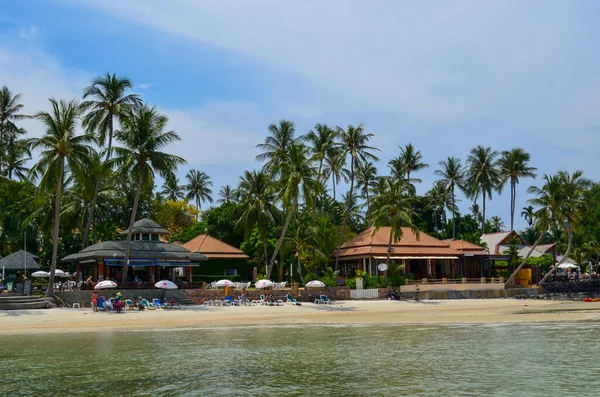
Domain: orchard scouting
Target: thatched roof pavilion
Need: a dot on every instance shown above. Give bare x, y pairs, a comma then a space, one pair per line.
19, 261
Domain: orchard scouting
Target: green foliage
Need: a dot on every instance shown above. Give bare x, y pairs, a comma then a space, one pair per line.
173, 215
189, 233
253, 247
221, 223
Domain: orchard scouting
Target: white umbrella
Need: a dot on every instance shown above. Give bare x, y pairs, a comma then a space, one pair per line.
315, 284
166, 284
567, 266
263, 284
106, 284
40, 273
59, 273
224, 283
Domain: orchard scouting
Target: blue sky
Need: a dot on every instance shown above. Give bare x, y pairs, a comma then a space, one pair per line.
445, 76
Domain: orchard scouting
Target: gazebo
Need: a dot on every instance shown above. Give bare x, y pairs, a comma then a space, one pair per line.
223, 259
424, 256
19, 261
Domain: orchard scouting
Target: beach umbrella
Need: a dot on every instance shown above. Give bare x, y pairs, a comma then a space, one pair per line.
166, 284
224, 283
40, 273
315, 284
106, 284
59, 273
263, 284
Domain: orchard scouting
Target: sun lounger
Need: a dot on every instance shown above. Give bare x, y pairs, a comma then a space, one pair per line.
161, 305
148, 305
290, 299
323, 300
129, 304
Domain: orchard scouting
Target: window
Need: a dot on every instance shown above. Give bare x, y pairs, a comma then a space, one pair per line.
145, 237
154, 237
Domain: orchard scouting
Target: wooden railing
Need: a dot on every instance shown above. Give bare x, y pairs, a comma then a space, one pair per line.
464, 280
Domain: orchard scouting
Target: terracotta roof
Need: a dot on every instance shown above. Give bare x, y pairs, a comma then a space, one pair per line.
466, 247
214, 248
369, 244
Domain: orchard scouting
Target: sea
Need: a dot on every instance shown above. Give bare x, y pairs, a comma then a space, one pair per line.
308, 360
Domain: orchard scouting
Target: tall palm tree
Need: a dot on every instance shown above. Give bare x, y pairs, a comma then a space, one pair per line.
276, 149
16, 159
257, 198
335, 162
144, 137
106, 100
452, 174
61, 150
299, 179
496, 224
439, 199
89, 188
172, 190
514, 165
354, 144
393, 207
528, 213
484, 175
199, 187
408, 161
226, 194
322, 141
10, 112
366, 176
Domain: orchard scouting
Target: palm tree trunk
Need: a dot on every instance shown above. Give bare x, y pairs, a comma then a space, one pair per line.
300, 272
346, 214
510, 282
61, 167
483, 216
319, 176
513, 199
333, 179
90, 217
565, 256
265, 251
283, 232
131, 222
453, 214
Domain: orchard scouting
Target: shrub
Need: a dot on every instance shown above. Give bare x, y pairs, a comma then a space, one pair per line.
351, 282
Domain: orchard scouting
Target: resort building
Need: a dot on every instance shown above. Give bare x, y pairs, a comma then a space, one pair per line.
20, 261
475, 260
422, 255
151, 258
224, 260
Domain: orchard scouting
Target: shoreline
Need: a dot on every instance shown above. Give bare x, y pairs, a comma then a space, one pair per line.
343, 313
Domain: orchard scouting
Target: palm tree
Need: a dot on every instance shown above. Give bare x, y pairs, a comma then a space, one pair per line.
528, 214
226, 194
354, 144
514, 165
452, 174
408, 161
366, 176
172, 190
335, 162
276, 148
199, 187
16, 159
257, 197
144, 137
440, 199
10, 109
298, 179
61, 150
496, 224
105, 101
322, 142
393, 207
483, 174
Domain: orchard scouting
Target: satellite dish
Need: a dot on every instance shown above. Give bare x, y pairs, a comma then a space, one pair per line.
382, 267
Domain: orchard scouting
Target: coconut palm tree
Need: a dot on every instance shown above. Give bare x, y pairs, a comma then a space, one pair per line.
10, 112
172, 190
408, 161
513, 166
496, 224
484, 175
366, 176
106, 100
299, 180
321, 140
144, 137
199, 187
452, 174
354, 144
61, 150
227, 194
393, 207
439, 199
528, 213
16, 158
276, 148
335, 162
257, 198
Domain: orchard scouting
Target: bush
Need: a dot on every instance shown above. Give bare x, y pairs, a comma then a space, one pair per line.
351, 282
396, 281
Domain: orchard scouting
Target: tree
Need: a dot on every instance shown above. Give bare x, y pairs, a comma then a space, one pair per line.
226, 194
105, 101
299, 179
408, 161
199, 187
439, 199
483, 175
172, 190
61, 148
366, 176
276, 148
452, 175
176, 216
322, 141
335, 162
392, 207
16, 158
10, 112
354, 144
514, 165
528, 214
496, 224
143, 135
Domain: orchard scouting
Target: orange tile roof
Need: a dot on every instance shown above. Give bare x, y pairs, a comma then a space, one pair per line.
368, 243
213, 248
466, 247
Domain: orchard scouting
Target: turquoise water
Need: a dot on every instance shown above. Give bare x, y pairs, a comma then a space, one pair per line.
379, 360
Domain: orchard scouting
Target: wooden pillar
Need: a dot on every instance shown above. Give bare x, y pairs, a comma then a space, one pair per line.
95, 277
78, 273
101, 269
189, 274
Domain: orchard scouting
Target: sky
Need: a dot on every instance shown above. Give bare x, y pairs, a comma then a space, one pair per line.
445, 76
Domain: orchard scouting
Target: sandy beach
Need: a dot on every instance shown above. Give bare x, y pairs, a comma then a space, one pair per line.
346, 312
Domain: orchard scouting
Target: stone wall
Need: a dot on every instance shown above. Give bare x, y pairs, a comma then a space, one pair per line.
199, 296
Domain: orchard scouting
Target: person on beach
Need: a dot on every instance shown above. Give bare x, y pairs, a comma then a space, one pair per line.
89, 283
243, 297
94, 302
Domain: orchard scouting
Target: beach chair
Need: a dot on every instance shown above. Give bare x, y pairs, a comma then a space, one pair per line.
158, 303
290, 299
129, 304
324, 300
148, 305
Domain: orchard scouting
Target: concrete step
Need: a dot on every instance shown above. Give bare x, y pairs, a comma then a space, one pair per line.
24, 302
181, 298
